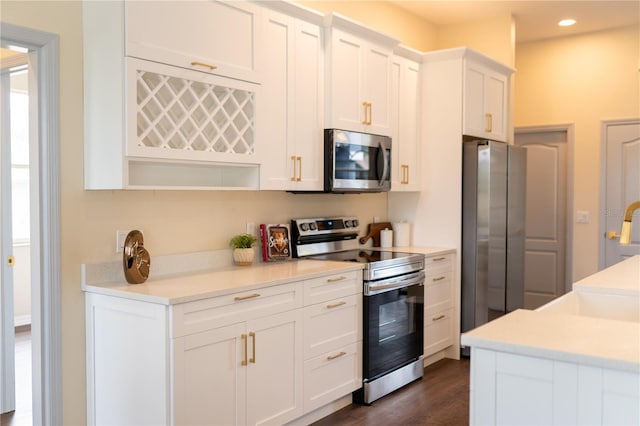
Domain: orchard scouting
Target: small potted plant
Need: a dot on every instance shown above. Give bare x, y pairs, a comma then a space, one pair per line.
242, 246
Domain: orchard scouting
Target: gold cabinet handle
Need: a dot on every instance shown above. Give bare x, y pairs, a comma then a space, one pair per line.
438, 318
438, 259
336, 279
244, 342
370, 120
11, 261
367, 112
338, 355
299, 160
489, 123
440, 278
253, 347
613, 235
335, 305
293, 174
405, 174
203, 64
249, 296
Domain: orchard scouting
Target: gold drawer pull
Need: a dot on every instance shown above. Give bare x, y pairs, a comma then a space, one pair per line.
203, 64
440, 278
438, 259
249, 296
253, 349
335, 305
489, 126
338, 355
244, 343
333, 280
438, 318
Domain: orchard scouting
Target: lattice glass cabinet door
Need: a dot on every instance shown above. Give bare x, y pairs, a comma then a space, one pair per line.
178, 113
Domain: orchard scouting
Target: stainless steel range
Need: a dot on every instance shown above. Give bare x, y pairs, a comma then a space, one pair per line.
393, 302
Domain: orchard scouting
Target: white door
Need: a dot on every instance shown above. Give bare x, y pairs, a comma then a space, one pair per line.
545, 227
7, 367
621, 186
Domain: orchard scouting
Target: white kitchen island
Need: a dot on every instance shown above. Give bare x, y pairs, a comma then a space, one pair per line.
574, 361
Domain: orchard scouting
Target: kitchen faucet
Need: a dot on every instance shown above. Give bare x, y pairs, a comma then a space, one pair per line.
625, 233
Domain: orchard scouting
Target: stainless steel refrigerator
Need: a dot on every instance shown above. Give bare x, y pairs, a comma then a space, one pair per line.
493, 218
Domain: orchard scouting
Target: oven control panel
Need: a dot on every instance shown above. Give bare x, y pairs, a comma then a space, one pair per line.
324, 226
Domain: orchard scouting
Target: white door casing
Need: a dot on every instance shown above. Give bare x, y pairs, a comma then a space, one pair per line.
45, 226
620, 182
7, 334
547, 222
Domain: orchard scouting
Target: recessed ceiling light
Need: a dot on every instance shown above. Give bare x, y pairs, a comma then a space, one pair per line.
566, 22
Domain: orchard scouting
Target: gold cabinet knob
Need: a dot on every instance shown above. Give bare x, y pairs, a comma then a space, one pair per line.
11, 261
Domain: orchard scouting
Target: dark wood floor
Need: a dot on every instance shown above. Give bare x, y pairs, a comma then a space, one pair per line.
441, 397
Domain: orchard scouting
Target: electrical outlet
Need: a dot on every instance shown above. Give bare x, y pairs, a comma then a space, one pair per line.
251, 228
121, 236
376, 219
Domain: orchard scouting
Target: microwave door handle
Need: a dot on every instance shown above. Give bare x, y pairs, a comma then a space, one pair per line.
385, 167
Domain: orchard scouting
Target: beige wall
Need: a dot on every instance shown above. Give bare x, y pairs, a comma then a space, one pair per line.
411, 30
581, 80
495, 37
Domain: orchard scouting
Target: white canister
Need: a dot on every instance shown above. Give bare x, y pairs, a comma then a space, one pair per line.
386, 238
402, 234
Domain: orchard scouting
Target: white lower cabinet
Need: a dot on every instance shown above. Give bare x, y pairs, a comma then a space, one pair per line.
247, 373
439, 332
264, 356
509, 389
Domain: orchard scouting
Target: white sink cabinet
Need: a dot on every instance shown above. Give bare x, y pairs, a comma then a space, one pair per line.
575, 360
358, 77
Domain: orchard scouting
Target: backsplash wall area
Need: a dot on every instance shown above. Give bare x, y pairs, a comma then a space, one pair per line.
190, 221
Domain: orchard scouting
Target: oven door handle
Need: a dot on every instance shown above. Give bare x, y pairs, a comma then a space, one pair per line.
416, 278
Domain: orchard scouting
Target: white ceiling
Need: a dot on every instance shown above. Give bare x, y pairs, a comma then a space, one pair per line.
535, 19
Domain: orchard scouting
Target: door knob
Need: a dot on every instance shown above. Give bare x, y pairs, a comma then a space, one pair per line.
612, 235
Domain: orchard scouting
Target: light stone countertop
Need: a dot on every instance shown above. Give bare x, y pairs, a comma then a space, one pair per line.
600, 342
192, 276
187, 287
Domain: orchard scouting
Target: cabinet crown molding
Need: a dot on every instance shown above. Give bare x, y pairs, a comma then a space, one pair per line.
467, 52
336, 20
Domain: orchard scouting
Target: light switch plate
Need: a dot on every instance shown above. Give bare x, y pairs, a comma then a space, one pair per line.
582, 216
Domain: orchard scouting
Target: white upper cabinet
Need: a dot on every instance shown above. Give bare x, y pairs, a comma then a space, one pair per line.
210, 36
405, 119
358, 77
171, 95
486, 98
290, 121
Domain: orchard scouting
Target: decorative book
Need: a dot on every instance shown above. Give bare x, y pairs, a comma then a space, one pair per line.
275, 242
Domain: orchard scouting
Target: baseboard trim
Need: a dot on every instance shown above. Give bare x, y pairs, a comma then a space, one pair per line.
22, 320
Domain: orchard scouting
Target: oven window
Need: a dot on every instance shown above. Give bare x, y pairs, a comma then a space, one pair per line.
394, 328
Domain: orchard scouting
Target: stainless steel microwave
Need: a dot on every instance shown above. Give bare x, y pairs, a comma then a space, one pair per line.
356, 162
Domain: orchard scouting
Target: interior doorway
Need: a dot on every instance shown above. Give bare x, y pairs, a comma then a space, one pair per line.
548, 227
44, 189
16, 372
620, 187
